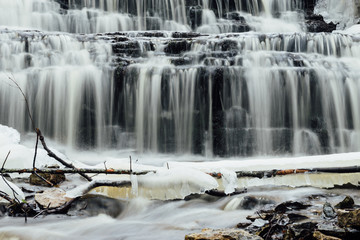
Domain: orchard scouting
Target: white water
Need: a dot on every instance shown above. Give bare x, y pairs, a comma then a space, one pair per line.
271, 94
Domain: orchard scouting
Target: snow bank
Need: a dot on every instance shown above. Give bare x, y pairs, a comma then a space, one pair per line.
22, 156
269, 163
8, 135
18, 194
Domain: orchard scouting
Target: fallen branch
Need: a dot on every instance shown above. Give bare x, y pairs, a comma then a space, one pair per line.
6, 197
276, 172
77, 171
240, 174
53, 155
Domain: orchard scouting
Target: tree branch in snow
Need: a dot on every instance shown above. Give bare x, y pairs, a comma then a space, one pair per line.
34, 163
26, 100
77, 171
53, 155
42, 139
5, 181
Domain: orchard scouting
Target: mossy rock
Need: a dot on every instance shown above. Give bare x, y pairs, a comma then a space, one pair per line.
53, 178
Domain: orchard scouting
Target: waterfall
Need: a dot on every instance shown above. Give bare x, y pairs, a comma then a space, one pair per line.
229, 78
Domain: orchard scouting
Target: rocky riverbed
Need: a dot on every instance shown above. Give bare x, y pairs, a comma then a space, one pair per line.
307, 213
308, 218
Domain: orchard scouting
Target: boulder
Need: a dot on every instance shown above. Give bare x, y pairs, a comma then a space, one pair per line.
53, 178
222, 234
316, 23
328, 211
177, 46
51, 198
349, 218
290, 205
348, 202
93, 205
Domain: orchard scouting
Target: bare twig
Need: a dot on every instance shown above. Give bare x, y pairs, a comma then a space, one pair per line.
26, 100
34, 164
77, 171
5, 181
6, 197
53, 155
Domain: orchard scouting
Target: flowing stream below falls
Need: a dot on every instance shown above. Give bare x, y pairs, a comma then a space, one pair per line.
211, 85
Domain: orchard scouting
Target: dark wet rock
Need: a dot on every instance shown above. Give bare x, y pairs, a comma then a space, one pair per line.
191, 2
181, 61
126, 49
227, 45
240, 27
349, 219
64, 4
328, 211
289, 206
243, 225
303, 230
93, 205
316, 23
53, 178
222, 234
330, 228
347, 186
177, 47
186, 35
152, 34
195, 16
250, 202
348, 202
296, 217
3, 209
235, 16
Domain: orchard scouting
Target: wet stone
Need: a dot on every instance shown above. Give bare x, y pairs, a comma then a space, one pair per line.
93, 205
53, 178
328, 211
186, 35
348, 202
51, 198
349, 218
177, 47
222, 234
290, 205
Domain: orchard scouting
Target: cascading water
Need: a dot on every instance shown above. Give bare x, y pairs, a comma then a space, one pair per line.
269, 91
182, 84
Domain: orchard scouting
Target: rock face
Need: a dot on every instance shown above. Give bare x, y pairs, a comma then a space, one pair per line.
222, 234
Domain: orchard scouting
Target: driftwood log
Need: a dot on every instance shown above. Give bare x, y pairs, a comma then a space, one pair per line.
240, 174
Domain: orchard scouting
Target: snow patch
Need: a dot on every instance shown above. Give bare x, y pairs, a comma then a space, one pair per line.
178, 182
8, 135
17, 193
